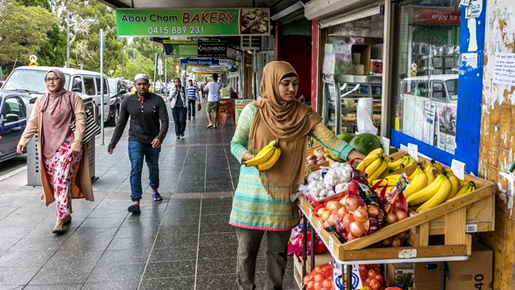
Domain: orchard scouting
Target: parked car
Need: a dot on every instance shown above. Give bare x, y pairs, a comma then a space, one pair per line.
119, 92
86, 84
13, 119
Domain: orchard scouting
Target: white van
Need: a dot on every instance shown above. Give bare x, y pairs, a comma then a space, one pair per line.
30, 79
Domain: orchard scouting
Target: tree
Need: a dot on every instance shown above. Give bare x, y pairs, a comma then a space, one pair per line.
87, 18
23, 32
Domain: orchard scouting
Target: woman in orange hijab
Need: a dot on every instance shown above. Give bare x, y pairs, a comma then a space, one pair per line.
262, 203
66, 169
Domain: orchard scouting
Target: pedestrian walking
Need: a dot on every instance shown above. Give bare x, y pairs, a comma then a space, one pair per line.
262, 202
178, 102
203, 90
191, 91
65, 173
213, 89
148, 128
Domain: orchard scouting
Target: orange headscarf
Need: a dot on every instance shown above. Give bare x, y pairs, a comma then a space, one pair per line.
288, 121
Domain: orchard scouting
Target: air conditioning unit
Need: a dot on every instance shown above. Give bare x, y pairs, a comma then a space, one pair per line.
251, 42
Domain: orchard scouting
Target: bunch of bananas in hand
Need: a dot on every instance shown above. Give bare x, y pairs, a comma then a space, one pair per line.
267, 157
400, 163
374, 165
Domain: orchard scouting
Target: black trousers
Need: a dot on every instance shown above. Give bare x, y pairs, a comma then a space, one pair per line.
179, 118
191, 108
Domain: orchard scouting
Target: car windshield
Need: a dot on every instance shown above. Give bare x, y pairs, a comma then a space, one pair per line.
112, 86
452, 88
31, 81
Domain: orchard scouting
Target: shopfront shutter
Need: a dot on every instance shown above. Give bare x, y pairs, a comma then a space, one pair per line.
367, 11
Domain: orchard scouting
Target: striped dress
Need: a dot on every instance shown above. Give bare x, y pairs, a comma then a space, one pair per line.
253, 208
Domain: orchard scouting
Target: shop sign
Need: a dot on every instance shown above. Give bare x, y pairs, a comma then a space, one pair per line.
436, 16
192, 22
436, 34
200, 62
212, 49
181, 49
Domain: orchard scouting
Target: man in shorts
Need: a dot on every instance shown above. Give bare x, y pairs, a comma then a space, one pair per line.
213, 89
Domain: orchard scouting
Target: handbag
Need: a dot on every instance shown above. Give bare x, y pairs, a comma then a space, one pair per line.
199, 106
92, 128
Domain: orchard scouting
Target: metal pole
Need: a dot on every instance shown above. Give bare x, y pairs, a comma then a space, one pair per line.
67, 39
349, 277
166, 70
155, 67
122, 64
101, 35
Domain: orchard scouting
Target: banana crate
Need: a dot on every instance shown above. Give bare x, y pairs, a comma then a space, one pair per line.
450, 223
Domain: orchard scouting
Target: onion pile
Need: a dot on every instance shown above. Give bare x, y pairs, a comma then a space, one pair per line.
318, 157
371, 276
320, 278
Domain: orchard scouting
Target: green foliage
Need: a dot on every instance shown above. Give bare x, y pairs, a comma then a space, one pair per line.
23, 32
53, 53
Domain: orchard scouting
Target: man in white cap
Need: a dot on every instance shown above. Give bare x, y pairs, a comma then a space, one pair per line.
146, 135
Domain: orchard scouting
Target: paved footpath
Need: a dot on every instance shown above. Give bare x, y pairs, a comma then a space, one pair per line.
183, 242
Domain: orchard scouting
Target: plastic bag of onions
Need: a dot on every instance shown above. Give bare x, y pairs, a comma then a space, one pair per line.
396, 209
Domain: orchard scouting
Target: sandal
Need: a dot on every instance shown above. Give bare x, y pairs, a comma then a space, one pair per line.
209, 126
156, 196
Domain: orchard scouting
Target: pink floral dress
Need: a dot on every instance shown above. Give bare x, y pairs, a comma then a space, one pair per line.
60, 169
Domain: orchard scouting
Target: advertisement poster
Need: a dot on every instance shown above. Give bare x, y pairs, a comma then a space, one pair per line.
192, 22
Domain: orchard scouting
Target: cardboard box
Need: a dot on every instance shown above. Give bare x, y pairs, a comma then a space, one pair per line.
475, 273
366, 52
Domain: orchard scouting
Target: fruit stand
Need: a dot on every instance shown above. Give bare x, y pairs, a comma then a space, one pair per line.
437, 234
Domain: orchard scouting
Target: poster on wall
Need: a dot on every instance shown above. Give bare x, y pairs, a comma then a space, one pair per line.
192, 22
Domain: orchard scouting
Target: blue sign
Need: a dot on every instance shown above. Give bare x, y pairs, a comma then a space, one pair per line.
200, 62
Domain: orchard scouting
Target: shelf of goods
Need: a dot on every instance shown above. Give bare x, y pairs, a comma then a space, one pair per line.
370, 87
455, 220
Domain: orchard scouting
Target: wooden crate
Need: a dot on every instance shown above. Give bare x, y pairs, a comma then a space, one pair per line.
449, 219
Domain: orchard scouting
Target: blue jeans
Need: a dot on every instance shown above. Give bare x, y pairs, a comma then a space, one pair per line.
179, 118
137, 151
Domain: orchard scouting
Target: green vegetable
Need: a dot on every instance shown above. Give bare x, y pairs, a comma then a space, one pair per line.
345, 136
365, 143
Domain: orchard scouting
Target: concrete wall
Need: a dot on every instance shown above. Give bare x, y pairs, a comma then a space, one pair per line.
497, 145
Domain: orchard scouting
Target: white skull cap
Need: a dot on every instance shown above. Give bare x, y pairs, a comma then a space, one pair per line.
141, 76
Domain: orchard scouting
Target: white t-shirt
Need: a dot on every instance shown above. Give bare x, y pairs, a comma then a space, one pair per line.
213, 88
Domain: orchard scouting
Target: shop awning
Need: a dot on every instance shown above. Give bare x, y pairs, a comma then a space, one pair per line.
317, 9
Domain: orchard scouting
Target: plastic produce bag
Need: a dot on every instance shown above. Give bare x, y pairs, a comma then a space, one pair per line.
364, 116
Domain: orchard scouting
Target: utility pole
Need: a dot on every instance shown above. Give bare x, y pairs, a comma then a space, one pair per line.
67, 38
155, 68
123, 76
101, 35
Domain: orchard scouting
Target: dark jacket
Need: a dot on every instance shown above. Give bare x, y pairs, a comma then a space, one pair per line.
145, 117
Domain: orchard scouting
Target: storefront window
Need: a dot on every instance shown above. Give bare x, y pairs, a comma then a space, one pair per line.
426, 71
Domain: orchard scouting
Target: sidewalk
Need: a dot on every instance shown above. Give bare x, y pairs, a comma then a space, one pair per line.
183, 242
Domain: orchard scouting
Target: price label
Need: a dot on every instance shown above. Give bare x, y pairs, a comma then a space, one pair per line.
386, 145
331, 243
413, 151
407, 254
404, 148
458, 168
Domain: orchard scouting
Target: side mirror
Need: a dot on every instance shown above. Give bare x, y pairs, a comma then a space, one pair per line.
9, 118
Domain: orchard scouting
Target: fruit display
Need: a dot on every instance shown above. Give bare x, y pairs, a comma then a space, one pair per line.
365, 143
374, 165
266, 157
320, 278
400, 163
327, 183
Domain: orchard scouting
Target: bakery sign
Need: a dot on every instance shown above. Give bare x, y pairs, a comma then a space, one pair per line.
436, 16
192, 22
